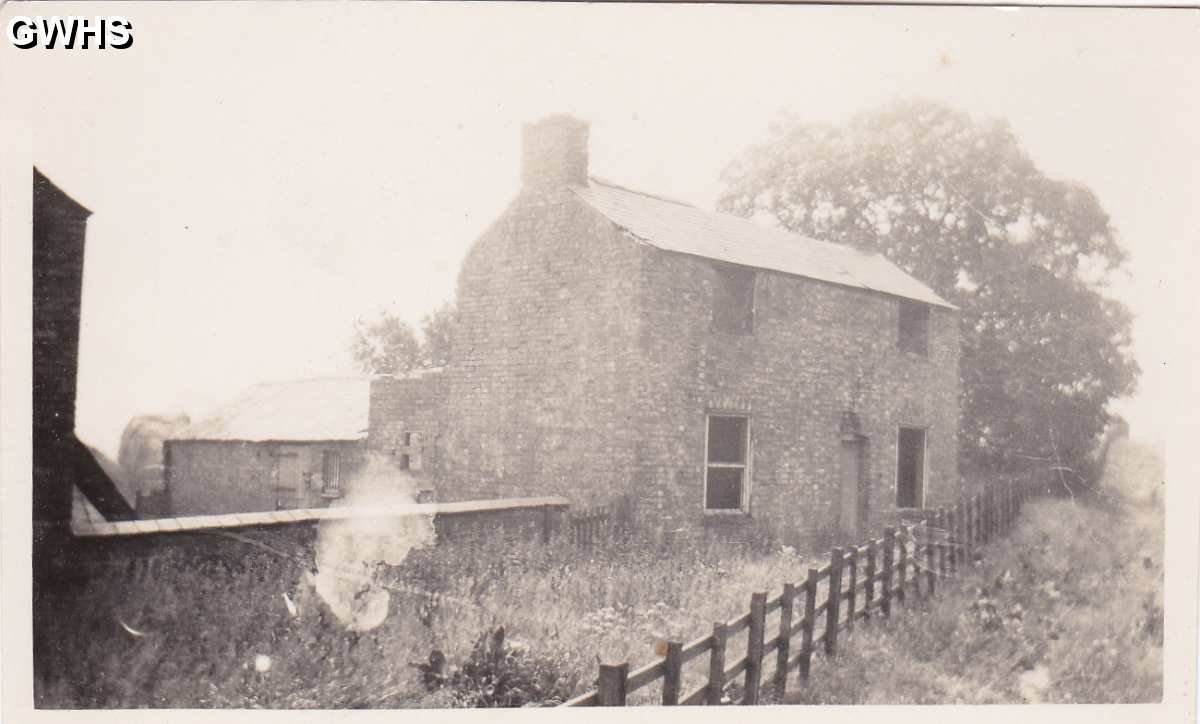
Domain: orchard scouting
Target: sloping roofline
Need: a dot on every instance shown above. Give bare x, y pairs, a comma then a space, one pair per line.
324, 409
676, 226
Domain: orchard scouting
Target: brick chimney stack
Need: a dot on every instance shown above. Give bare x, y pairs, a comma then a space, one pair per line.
554, 152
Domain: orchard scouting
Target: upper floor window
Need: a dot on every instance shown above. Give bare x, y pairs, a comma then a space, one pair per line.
733, 299
913, 332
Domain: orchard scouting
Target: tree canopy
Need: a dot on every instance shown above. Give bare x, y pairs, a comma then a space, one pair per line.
959, 204
389, 345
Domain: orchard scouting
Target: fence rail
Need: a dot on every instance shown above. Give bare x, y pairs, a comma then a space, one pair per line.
592, 526
861, 581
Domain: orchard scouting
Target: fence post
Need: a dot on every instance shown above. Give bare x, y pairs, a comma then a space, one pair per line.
889, 548
960, 536
754, 647
786, 604
1012, 504
716, 665
943, 549
930, 554
969, 537
991, 513
998, 516
833, 607
902, 566
869, 583
973, 526
951, 540
1003, 507
980, 514
673, 672
613, 683
806, 629
852, 577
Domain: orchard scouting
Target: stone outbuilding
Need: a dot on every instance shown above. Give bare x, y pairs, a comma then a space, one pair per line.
278, 446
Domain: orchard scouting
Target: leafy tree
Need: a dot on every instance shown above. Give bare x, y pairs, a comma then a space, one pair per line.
436, 329
388, 344
960, 205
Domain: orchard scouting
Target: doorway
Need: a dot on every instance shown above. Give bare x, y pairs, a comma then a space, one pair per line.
910, 467
852, 498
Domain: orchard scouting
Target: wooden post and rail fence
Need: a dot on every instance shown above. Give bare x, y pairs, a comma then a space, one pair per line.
858, 583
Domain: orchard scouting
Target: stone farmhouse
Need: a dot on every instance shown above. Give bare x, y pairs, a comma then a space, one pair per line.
709, 370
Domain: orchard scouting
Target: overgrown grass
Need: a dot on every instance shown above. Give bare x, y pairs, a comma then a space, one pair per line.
205, 625
1067, 608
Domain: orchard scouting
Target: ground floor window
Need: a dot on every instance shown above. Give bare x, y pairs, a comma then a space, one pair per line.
331, 469
910, 467
726, 456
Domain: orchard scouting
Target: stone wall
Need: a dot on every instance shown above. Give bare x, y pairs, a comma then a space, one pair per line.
407, 420
816, 350
540, 385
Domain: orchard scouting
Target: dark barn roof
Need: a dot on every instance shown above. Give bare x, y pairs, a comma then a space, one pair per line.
679, 227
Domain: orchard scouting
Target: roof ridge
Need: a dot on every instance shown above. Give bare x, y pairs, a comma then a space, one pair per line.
688, 229
647, 194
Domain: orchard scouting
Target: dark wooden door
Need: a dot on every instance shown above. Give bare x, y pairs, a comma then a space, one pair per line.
910, 468
851, 484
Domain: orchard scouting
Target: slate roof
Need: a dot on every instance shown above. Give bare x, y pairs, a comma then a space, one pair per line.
332, 408
679, 227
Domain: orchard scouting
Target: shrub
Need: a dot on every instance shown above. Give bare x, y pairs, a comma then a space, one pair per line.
498, 673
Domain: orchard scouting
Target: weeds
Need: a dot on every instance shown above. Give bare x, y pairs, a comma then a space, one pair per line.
1047, 616
207, 623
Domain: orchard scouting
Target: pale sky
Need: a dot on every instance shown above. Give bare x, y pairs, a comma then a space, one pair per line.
261, 175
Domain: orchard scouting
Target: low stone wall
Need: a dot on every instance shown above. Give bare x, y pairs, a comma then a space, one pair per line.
100, 548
